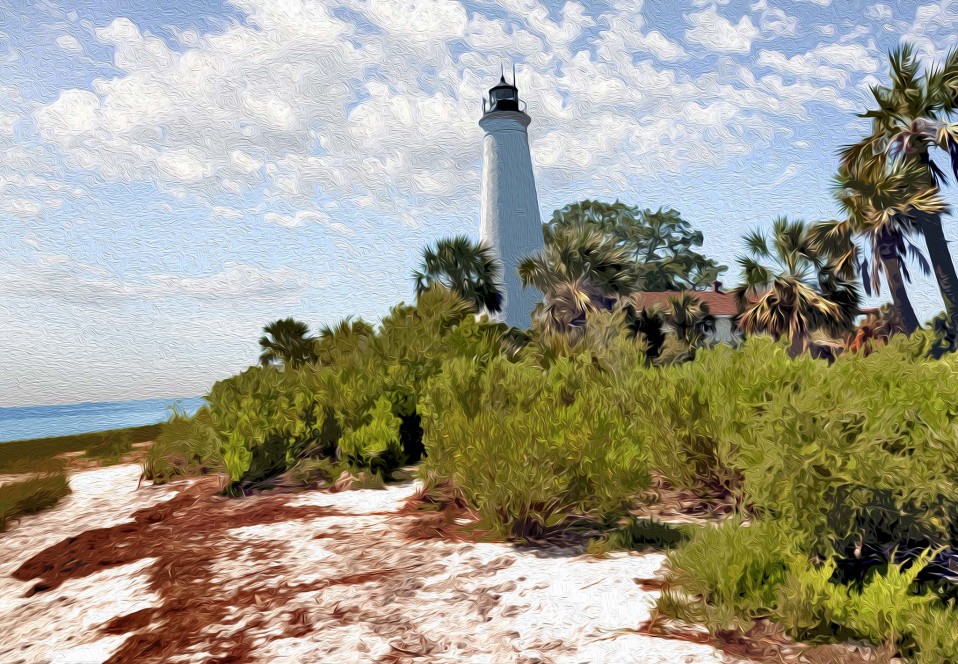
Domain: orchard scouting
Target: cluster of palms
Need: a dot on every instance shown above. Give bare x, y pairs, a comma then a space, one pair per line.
890, 187
595, 257
288, 343
792, 287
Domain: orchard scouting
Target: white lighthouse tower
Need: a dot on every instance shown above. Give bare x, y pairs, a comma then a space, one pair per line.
509, 218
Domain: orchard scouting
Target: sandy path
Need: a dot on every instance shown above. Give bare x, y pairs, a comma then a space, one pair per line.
177, 574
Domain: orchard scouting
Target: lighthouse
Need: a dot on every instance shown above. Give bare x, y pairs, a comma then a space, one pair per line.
509, 216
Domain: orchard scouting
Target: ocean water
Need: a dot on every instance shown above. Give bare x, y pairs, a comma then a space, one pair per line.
44, 421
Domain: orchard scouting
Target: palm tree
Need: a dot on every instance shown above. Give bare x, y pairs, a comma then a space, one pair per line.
690, 320
342, 340
875, 330
912, 118
790, 288
580, 271
286, 342
882, 200
465, 267
647, 324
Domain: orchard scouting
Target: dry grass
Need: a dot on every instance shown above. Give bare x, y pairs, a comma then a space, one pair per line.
26, 456
18, 499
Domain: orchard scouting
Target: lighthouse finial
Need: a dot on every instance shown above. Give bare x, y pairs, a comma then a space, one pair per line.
502, 73
513, 74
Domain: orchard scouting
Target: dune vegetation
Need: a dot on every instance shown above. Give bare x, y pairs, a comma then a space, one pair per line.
31, 495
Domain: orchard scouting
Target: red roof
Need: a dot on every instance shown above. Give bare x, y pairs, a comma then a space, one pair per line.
719, 303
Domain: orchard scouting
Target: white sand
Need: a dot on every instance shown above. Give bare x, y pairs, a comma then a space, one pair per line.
423, 601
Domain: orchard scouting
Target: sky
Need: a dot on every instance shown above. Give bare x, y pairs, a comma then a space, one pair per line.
175, 175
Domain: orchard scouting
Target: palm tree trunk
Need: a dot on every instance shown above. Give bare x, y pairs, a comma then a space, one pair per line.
938, 253
941, 262
896, 284
799, 344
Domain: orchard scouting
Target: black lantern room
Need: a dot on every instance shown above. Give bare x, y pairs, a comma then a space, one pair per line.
503, 97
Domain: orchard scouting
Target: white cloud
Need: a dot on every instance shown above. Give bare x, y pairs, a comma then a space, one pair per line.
7, 122
835, 63
236, 281
776, 23
8, 53
934, 29
69, 43
790, 171
298, 219
419, 20
717, 33
72, 114
181, 165
20, 207
244, 162
226, 212
65, 280
879, 12
854, 34
661, 46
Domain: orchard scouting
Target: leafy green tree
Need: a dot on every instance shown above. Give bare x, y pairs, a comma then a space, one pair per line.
791, 289
579, 271
882, 200
465, 267
661, 244
286, 342
913, 119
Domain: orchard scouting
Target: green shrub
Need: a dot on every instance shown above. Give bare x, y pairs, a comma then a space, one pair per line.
111, 449
532, 450
264, 419
885, 610
185, 446
30, 496
375, 445
730, 576
865, 453
312, 471
727, 576
358, 404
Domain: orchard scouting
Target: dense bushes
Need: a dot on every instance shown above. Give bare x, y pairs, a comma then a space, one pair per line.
533, 450
731, 575
850, 473
847, 473
357, 407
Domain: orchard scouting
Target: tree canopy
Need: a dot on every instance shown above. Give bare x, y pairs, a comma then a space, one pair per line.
661, 244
